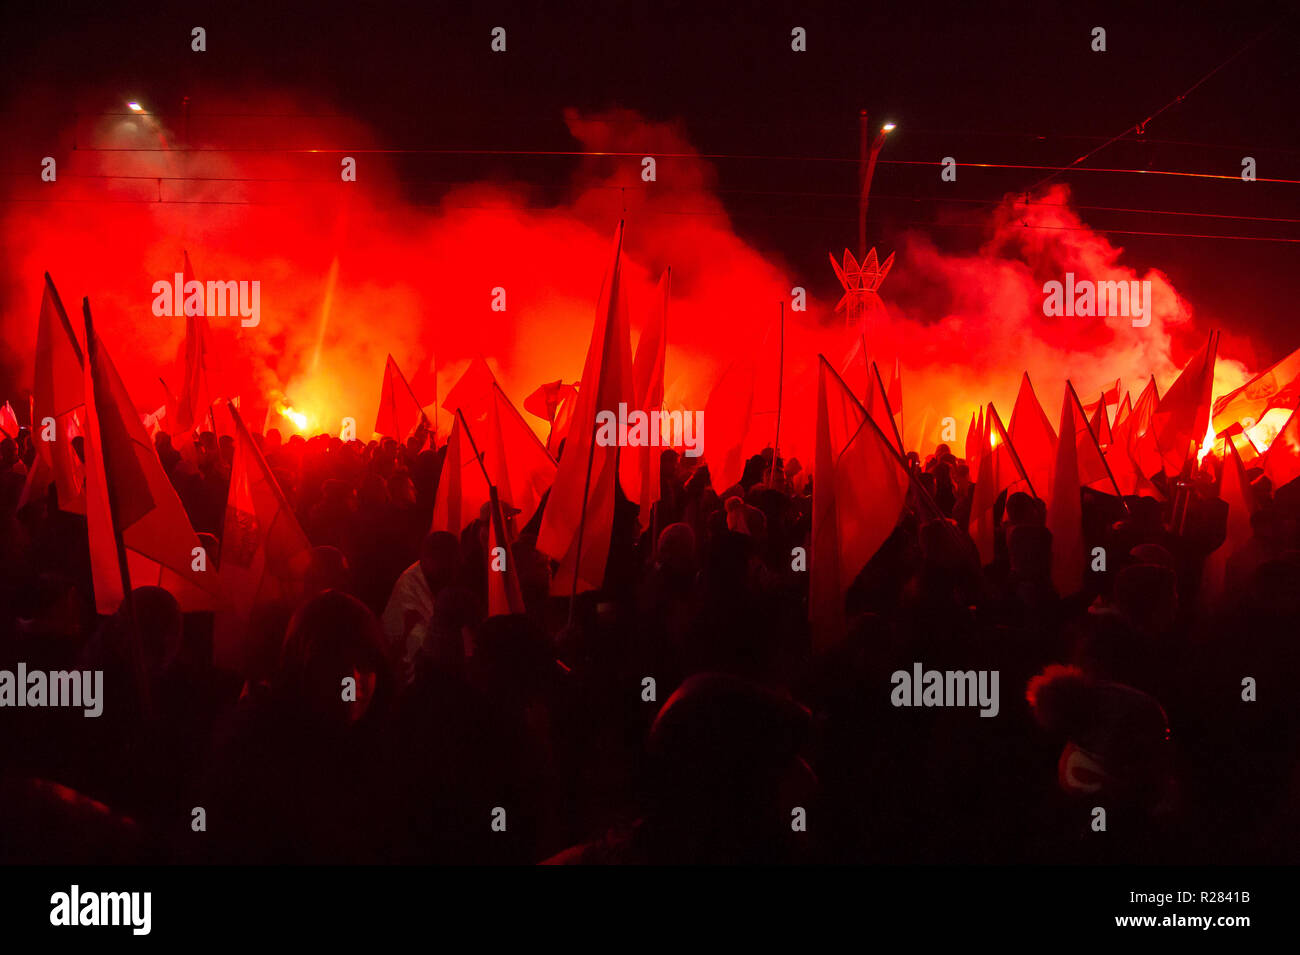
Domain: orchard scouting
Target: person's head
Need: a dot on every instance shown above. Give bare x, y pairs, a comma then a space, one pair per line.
440, 559
327, 569
1029, 547
401, 489
374, 491
961, 477
165, 451
754, 471
160, 625
206, 446
1020, 508
54, 605
272, 442
8, 453
1117, 736
725, 767
1147, 595
676, 548
332, 666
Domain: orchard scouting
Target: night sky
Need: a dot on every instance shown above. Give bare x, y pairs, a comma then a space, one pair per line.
1004, 84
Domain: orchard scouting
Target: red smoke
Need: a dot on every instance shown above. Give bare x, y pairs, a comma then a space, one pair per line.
352, 271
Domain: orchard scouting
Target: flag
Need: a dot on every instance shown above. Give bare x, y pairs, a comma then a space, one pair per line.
1109, 396
516, 461
400, 412
973, 438
563, 419
1000, 470
223, 422
197, 394
1100, 425
504, 594
154, 421
128, 494
1064, 509
263, 548
1234, 490
472, 392
545, 400
1125, 409
512, 456
9, 421
1142, 439
1282, 461
1129, 477
1090, 462
974, 453
1033, 438
1183, 415
729, 413
1276, 387
639, 467
579, 517
462, 489
58, 400
859, 488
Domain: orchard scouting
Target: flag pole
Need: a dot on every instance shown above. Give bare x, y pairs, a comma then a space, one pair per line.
410, 391
474, 447
497, 517
898, 377
135, 649
885, 396
582, 526
780, 394
1097, 444
1012, 448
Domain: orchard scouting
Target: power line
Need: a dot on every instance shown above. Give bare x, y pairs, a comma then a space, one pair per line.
783, 193
688, 212
1141, 126
531, 153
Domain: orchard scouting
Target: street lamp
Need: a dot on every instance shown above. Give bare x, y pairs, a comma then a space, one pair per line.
867, 169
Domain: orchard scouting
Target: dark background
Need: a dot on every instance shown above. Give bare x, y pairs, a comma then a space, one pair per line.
995, 83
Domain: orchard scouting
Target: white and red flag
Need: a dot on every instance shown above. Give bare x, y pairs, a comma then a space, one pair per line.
128, 496
578, 522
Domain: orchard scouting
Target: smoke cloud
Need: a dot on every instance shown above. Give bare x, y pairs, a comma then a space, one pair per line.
351, 271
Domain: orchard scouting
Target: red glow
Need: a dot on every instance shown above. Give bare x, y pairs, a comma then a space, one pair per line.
351, 271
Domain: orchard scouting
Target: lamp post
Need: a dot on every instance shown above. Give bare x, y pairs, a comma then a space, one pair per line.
866, 170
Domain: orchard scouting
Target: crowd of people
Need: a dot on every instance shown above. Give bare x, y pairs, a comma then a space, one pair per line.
678, 714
